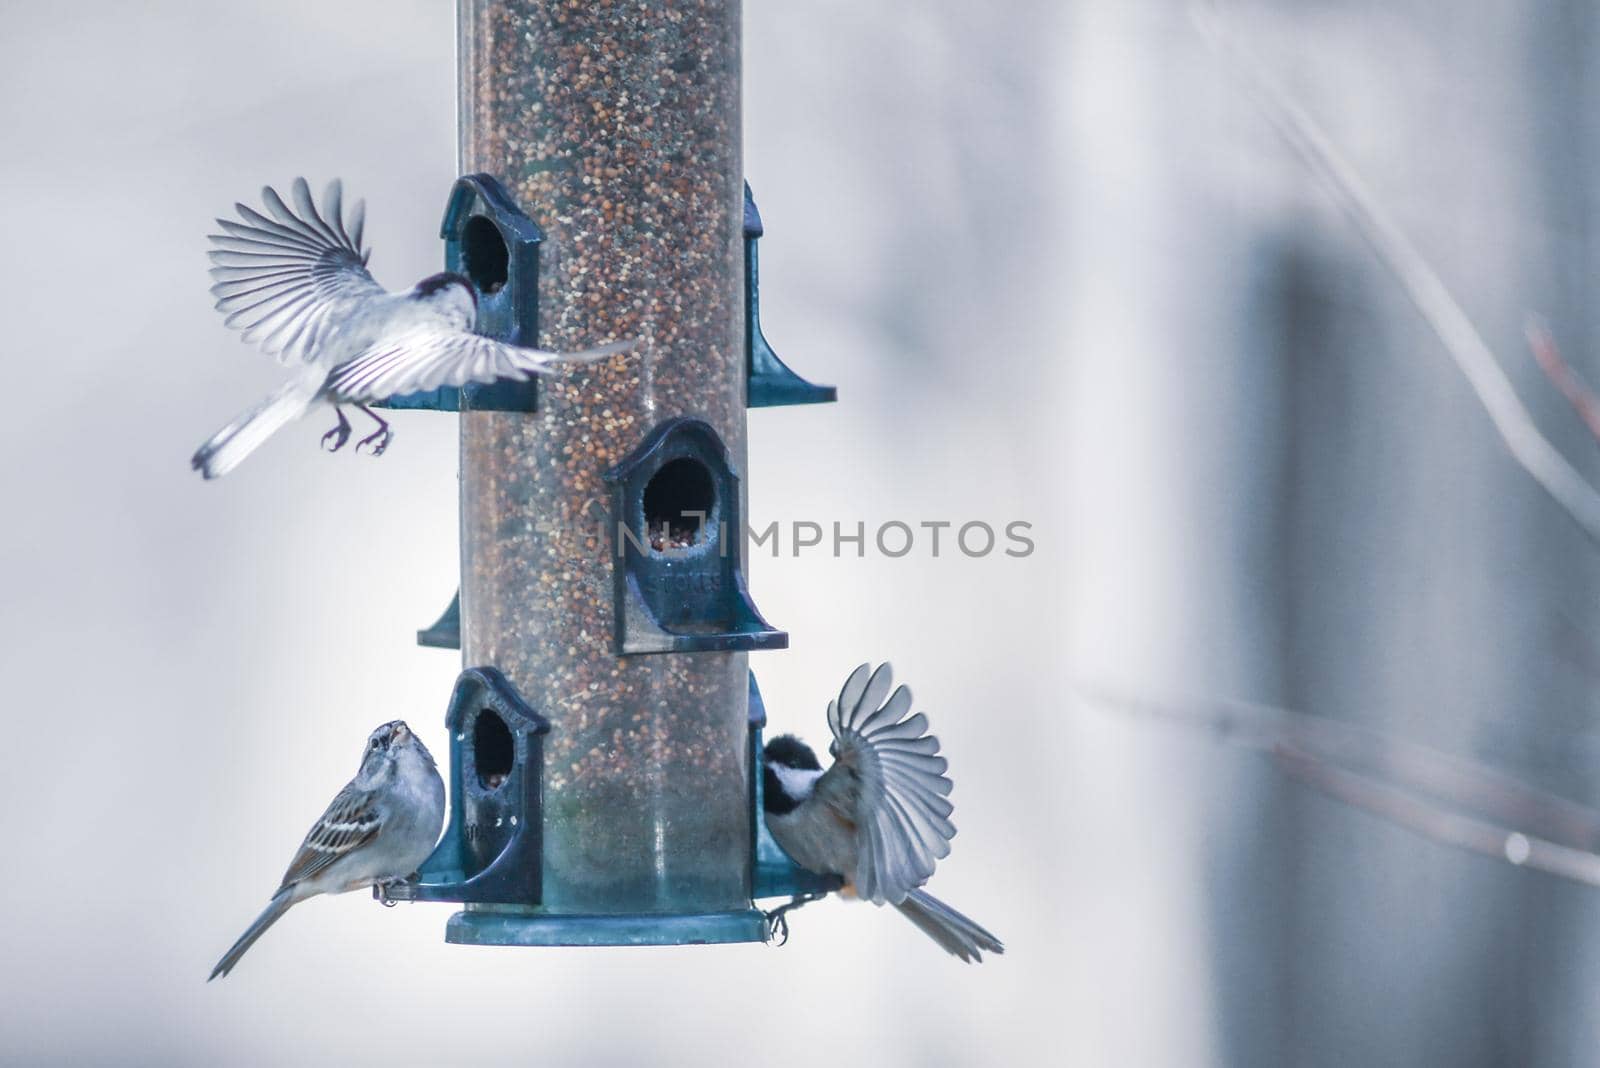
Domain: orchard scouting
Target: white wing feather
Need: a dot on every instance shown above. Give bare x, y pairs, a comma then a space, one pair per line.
888, 774
427, 357
290, 280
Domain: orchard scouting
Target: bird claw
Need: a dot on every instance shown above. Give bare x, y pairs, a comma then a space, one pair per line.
379, 441
778, 918
381, 892
338, 435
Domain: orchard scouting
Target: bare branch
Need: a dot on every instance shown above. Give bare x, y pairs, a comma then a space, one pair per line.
1439, 824
1466, 347
1451, 800
1559, 372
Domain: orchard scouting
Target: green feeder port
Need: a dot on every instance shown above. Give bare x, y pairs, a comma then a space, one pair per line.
490, 853
678, 545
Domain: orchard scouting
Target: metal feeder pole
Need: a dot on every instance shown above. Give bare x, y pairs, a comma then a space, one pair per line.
615, 124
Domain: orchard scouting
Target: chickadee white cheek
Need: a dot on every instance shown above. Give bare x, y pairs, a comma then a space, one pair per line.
797, 782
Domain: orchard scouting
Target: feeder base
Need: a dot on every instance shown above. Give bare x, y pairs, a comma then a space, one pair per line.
498, 926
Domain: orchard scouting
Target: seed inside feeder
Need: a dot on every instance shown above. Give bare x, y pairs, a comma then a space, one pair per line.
642, 217
665, 535
679, 500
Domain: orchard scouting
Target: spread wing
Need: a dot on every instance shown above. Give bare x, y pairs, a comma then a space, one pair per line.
289, 280
350, 823
427, 357
888, 775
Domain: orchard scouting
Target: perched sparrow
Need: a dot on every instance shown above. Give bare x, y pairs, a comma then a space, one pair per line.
878, 818
297, 284
378, 830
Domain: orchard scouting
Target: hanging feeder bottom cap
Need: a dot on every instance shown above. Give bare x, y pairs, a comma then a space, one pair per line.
502, 926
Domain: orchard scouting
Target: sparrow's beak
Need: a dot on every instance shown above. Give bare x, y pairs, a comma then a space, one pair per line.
401, 731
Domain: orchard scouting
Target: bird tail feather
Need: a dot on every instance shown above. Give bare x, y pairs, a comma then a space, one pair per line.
958, 935
275, 908
228, 446
599, 352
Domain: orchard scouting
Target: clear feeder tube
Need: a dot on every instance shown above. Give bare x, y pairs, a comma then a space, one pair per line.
616, 126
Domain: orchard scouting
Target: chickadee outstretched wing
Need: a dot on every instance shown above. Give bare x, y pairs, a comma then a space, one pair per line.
427, 357
887, 778
350, 822
290, 280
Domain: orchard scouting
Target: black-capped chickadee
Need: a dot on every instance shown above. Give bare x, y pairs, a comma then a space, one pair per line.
379, 829
297, 284
879, 817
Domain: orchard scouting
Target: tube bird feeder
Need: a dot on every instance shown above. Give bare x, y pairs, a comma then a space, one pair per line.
603, 737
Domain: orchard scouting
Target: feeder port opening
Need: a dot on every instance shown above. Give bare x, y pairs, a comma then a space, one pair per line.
493, 750
484, 254
679, 505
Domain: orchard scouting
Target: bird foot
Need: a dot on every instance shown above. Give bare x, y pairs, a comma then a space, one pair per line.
778, 918
381, 890
378, 441
338, 436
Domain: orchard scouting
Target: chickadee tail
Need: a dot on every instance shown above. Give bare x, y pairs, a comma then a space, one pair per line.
594, 355
245, 434
277, 907
957, 934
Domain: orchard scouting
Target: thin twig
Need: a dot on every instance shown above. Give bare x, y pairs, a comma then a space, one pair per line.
1472, 356
1577, 646
1439, 824
1454, 801
1560, 372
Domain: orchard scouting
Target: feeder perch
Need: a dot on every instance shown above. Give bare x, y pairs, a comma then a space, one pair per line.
445, 633
769, 382
495, 245
679, 536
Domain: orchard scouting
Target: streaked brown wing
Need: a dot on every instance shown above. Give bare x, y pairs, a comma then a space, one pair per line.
350, 823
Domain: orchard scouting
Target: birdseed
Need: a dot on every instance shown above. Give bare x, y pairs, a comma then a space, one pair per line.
616, 126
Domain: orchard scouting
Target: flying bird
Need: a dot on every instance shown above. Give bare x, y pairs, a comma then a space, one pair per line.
295, 281
879, 817
379, 829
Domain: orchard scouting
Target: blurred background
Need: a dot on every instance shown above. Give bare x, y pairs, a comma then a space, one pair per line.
1062, 271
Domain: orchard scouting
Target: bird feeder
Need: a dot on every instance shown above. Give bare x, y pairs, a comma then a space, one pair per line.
678, 583
605, 732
